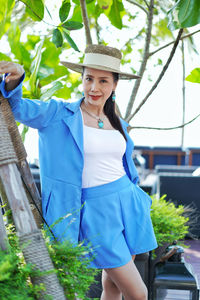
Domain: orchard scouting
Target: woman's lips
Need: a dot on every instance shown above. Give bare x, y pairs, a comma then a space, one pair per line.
95, 97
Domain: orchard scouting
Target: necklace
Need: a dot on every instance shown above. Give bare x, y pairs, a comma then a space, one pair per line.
99, 120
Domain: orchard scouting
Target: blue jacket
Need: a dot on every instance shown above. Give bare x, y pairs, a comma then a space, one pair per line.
60, 129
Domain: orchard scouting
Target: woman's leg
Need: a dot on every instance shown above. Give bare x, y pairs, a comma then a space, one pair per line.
110, 290
127, 280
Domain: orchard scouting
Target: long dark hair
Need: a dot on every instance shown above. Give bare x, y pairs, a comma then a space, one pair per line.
110, 111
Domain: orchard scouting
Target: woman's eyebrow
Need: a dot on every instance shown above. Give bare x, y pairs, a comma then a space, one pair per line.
101, 77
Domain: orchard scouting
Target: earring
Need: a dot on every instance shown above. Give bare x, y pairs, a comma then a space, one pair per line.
83, 94
113, 96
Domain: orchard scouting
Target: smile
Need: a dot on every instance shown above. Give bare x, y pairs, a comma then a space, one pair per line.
95, 97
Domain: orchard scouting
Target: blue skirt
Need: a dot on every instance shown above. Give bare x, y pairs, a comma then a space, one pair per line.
115, 220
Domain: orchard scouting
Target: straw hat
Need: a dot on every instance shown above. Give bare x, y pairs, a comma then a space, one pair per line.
101, 57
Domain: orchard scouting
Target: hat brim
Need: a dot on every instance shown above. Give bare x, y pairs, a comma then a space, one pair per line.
79, 68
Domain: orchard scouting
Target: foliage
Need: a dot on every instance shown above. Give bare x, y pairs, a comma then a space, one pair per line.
15, 274
144, 23
36, 11
169, 221
194, 76
14, 278
71, 265
185, 13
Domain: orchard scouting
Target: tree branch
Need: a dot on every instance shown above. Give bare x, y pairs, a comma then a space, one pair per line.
171, 43
144, 61
147, 4
183, 90
86, 22
165, 128
160, 76
139, 5
97, 28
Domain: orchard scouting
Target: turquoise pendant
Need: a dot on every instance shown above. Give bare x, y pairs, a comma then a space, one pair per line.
100, 124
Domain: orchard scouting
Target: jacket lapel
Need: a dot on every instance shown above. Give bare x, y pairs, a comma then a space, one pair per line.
75, 124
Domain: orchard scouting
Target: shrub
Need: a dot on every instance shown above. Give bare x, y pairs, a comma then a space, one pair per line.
169, 222
71, 266
15, 274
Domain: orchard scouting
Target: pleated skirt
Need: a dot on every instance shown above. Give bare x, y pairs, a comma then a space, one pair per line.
116, 222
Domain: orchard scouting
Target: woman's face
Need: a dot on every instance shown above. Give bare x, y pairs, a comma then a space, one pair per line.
97, 86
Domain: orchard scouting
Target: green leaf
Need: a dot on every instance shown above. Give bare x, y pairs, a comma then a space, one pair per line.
77, 16
194, 76
4, 57
36, 65
105, 4
24, 132
161, 30
94, 10
77, 2
63, 93
115, 13
44, 71
185, 13
50, 55
72, 25
32, 40
17, 48
57, 38
48, 93
70, 41
59, 71
5, 13
6, 7
35, 9
64, 10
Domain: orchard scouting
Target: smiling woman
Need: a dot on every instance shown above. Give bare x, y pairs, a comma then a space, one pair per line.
99, 91
98, 87
87, 170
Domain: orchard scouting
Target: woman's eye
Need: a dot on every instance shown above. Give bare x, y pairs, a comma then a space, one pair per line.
103, 81
88, 78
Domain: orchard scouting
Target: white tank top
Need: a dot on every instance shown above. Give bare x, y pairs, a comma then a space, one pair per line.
103, 153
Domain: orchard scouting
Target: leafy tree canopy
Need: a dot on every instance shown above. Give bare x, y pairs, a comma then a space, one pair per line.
39, 32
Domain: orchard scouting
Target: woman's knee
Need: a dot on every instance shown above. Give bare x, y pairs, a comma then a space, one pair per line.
108, 284
142, 294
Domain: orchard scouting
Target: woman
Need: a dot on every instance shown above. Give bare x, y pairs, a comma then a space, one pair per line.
87, 173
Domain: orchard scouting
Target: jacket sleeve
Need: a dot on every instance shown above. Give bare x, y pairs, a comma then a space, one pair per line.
33, 113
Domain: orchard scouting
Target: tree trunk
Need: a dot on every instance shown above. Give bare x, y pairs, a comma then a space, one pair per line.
34, 248
3, 236
29, 184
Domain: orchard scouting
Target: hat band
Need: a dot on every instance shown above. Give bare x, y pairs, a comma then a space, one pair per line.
102, 60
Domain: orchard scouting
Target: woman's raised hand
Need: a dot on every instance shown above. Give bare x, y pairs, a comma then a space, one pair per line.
14, 73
